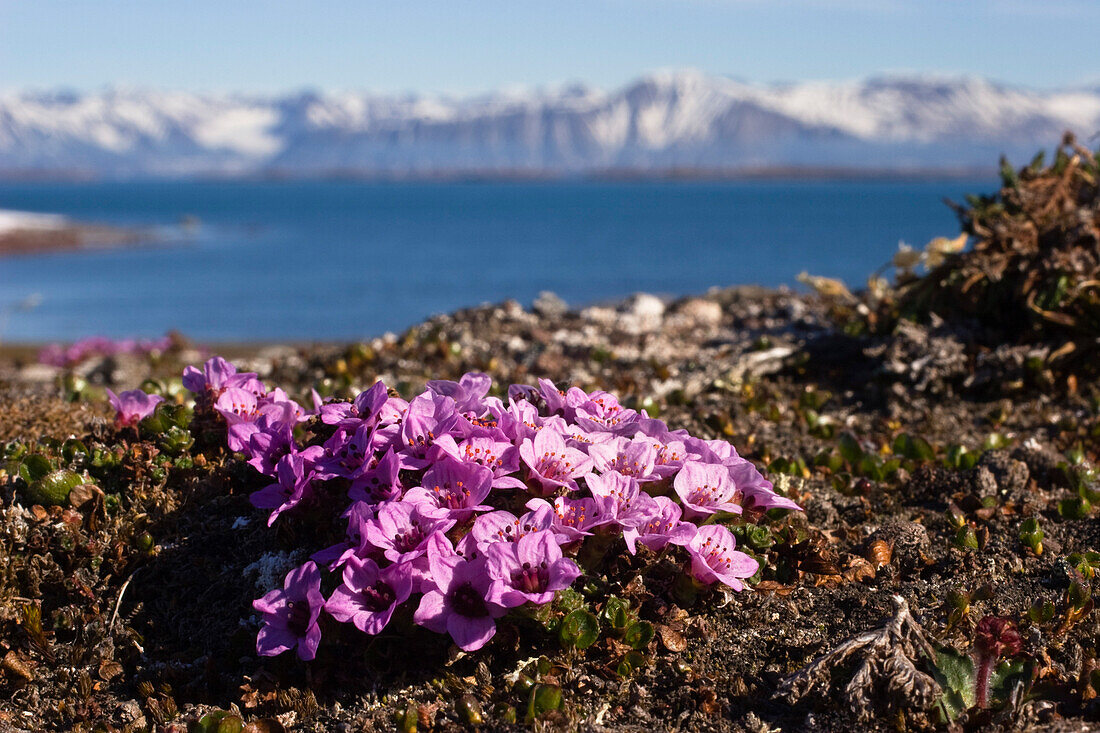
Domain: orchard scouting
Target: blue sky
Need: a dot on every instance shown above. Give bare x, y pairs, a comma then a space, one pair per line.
461, 46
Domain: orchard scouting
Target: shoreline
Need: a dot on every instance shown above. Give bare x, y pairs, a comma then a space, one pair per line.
26, 233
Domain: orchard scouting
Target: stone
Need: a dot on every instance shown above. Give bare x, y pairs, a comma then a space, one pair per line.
700, 312
549, 305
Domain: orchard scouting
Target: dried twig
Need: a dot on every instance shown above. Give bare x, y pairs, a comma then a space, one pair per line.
888, 670
118, 603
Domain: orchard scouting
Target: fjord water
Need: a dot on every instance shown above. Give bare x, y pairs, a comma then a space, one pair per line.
342, 260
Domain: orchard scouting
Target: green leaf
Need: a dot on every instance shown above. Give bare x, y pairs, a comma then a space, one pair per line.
966, 538
956, 456
1009, 179
870, 467
849, 448
155, 423
1031, 534
568, 600
830, 459
1005, 677
758, 537
616, 612
543, 699
913, 448
220, 721
1075, 508
34, 467
955, 674
639, 635
631, 661
579, 629
175, 441
1036, 164
53, 488
995, 441
1041, 611
73, 449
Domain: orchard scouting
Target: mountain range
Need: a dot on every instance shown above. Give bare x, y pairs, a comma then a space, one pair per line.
678, 122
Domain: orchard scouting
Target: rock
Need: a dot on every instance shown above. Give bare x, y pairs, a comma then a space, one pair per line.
756, 363
645, 307
1011, 475
1042, 463
549, 305
700, 313
129, 713
39, 373
599, 314
512, 309
982, 482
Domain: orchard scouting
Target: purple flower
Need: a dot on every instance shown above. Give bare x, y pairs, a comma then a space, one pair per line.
288, 491
621, 498
602, 411
670, 451
713, 557
452, 489
377, 480
358, 514
402, 530
503, 526
215, 375
428, 417
662, 527
368, 595
468, 393
530, 569
290, 614
635, 458
237, 405
133, 406
551, 462
757, 490
458, 604
499, 456
366, 407
279, 408
573, 518
266, 443
347, 450
559, 402
706, 488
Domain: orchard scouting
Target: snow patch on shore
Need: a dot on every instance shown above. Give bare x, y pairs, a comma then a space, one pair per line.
12, 221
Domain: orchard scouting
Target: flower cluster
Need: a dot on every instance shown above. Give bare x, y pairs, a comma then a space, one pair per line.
66, 356
467, 505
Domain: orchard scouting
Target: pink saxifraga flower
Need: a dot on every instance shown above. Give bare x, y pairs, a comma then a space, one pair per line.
133, 406
531, 569
706, 488
290, 614
713, 557
551, 462
458, 603
368, 596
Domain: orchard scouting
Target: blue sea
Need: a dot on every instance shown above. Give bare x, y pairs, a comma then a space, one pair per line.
312, 261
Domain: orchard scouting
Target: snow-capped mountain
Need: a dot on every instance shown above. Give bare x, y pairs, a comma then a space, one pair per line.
667, 121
